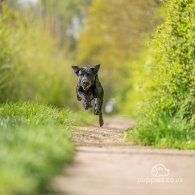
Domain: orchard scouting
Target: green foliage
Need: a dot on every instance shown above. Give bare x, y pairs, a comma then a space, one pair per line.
137, 85
169, 115
164, 132
35, 144
174, 45
58, 18
112, 33
113, 44
31, 66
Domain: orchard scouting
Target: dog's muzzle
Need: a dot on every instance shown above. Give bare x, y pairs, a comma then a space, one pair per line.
86, 85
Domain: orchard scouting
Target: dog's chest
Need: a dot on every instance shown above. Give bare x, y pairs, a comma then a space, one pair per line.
89, 96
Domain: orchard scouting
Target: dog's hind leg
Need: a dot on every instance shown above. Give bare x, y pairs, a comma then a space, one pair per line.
98, 110
101, 122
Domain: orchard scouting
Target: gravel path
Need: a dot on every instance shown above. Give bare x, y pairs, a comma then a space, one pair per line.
106, 164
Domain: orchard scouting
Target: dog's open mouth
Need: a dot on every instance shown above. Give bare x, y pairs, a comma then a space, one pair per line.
85, 87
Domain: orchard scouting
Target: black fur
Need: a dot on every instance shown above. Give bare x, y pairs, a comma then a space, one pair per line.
89, 88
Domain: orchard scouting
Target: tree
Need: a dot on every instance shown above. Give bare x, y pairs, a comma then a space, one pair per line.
112, 33
1, 4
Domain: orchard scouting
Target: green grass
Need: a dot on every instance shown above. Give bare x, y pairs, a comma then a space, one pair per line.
34, 146
166, 132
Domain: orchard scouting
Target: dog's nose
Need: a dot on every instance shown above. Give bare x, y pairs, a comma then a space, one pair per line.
85, 82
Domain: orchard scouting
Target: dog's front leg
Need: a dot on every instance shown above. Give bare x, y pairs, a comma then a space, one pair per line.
78, 97
86, 101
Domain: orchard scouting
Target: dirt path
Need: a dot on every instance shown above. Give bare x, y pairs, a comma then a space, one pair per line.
105, 164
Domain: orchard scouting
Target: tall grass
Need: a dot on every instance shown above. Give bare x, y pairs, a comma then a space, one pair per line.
34, 146
165, 132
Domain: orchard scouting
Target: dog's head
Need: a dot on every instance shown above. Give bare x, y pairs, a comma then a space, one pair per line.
86, 75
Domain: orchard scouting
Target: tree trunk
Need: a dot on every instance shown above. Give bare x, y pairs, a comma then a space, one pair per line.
1, 6
43, 13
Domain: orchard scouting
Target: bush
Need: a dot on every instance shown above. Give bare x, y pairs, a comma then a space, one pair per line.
170, 114
31, 65
174, 45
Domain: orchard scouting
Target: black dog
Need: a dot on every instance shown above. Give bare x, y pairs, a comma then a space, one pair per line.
89, 88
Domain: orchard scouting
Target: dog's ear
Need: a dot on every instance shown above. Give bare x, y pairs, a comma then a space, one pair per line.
95, 68
76, 69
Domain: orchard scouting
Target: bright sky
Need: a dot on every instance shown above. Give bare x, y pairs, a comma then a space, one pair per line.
28, 1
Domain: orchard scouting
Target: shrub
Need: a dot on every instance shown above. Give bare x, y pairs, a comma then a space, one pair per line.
174, 60
169, 114
31, 65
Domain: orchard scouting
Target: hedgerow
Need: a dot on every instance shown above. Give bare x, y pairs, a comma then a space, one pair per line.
170, 113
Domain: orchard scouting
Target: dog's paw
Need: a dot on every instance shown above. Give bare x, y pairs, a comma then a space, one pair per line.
85, 106
101, 122
78, 98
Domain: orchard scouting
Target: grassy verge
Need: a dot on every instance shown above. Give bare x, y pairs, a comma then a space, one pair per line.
165, 132
34, 146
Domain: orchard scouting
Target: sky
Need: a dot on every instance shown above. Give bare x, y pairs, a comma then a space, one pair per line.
28, 1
